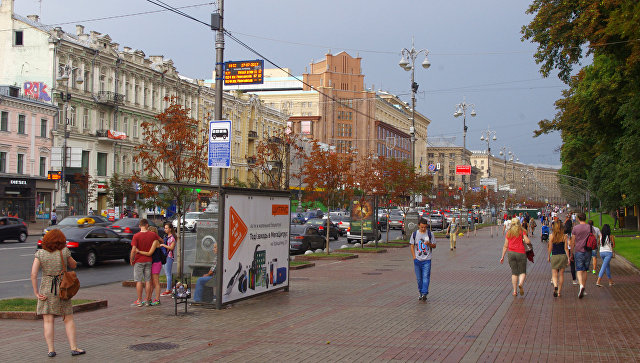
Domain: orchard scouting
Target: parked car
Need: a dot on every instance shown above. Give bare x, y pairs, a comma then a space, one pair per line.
437, 222
92, 244
343, 223
383, 223
396, 220
297, 218
321, 224
313, 214
13, 228
305, 237
75, 221
127, 227
190, 221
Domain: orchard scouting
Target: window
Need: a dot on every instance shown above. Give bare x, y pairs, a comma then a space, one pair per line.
3, 162
20, 167
4, 121
18, 38
102, 121
43, 127
22, 124
125, 125
102, 164
72, 116
305, 128
43, 166
85, 119
135, 128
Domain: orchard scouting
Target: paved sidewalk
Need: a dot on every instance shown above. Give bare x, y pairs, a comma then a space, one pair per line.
367, 310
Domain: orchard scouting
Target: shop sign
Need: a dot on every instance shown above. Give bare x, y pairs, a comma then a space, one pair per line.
18, 182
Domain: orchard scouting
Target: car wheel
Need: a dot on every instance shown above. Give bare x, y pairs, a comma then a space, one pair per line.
91, 259
22, 237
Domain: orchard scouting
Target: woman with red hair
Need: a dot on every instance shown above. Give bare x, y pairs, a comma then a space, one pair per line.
49, 259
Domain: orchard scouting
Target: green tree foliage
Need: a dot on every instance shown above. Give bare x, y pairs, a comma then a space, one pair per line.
599, 114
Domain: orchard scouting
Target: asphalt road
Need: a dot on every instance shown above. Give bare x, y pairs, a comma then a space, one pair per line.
17, 259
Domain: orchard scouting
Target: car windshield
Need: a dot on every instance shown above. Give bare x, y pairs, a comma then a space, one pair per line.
298, 230
316, 221
73, 221
127, 222
193, 215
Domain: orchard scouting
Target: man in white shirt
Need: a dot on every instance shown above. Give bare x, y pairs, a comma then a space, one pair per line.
422, 243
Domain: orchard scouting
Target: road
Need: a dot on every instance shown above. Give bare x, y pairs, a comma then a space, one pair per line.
17, 259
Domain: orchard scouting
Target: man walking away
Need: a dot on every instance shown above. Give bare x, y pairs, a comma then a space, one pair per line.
142, 241
422, 242
579, 235
452, 230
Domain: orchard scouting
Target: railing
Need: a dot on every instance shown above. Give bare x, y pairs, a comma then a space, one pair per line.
251, 160
110, 98
253, 134
101, 133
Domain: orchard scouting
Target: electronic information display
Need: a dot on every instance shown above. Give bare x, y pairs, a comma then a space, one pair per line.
244, 72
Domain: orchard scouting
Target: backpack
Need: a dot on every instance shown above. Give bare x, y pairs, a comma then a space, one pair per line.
591, 243
431, 238
159, 255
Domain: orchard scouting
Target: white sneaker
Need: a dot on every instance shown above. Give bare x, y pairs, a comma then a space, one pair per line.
581, 292
575, 282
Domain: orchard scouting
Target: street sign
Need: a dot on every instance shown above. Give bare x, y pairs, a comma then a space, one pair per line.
463, 169
475, 189
219, 144
488, 181
432, 167
244, 72
437, 166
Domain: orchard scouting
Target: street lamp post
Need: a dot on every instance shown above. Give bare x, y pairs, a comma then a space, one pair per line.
461, 110
504, 151
487, 136
63, 82
408, 63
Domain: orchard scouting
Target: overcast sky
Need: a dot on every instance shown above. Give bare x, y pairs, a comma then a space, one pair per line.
475, 52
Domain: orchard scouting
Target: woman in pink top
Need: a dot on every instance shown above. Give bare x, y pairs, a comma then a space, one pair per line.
514, 245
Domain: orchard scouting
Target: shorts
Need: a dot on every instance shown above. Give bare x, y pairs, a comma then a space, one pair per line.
517, 262
583, 259
156, 267
142, 271
559, 262
594, 253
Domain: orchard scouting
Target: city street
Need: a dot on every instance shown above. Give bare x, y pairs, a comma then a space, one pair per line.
18, 257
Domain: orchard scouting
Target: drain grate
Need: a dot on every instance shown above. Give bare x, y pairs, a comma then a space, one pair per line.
148, 347
372, 273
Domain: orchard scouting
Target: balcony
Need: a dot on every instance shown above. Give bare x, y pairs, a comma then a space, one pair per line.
253, 135
251, 160
109, 98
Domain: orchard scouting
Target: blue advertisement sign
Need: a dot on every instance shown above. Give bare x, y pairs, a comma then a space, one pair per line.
219, 144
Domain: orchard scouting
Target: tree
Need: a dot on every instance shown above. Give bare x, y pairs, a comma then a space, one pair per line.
327, 176
368, 182
270, 168
120, 192
84, 190
599, 114
173, 150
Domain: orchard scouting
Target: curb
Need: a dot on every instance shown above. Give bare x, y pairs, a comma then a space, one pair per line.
627, 264
300, 267
308, 258
364, 250
31, 315
128, 283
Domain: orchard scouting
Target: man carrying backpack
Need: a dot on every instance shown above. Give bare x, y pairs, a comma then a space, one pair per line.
422, 243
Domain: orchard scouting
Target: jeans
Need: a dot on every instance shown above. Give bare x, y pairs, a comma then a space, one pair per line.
606, 259
582, 260
168, 267
423, 275
197, 296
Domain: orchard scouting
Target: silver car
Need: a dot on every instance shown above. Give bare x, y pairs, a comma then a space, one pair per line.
190, 221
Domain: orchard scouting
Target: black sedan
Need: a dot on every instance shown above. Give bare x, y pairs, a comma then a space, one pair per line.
91, 244
321, 224
75, 221
13, 228
305, 237
127, 227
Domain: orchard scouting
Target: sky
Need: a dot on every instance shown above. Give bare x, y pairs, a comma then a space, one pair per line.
475, 50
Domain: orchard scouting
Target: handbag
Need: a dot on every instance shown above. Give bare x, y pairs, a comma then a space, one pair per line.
528, 250
69, 285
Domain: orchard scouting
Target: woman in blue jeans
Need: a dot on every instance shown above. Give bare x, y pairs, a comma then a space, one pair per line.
169, 244
607, 243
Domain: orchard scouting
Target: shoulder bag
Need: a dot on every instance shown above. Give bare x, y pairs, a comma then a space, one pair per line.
528, 249
69, 284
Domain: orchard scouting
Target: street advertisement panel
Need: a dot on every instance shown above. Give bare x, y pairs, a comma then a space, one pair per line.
463, 169
363, 220
256, 245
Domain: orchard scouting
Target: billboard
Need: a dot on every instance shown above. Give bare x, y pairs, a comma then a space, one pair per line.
463, 169
256, 245
244, 72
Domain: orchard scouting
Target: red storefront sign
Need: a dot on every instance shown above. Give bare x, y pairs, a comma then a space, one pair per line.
463, 169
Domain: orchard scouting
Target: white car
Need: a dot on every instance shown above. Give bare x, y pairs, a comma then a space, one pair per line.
190, 221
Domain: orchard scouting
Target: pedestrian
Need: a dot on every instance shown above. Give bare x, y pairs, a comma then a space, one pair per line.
452, 231
422, 243
91, 211
532, 226
506, 225
558, 255
525, 225
582, 257
157, 257
202, 281
54, 217
72, 211
568, 226
615, 218
514, 243
607, 244
169, 245
594, 253
50, 259
142, 241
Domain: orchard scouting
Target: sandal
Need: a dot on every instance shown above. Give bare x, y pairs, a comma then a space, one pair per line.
77, 351
514, 293
612, 283
51, 354
555, 291
521, 290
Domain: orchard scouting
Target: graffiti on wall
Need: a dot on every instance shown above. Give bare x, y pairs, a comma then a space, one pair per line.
37, 90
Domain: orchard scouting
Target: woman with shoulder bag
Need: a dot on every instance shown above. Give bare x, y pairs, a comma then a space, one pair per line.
607, 244
50, 304
557, 252
514, 243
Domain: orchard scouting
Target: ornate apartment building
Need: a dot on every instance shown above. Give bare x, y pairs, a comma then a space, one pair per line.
121, 88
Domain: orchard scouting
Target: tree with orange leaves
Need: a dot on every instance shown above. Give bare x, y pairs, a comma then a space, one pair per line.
174, 150
327, 176
368, 182
270, 166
